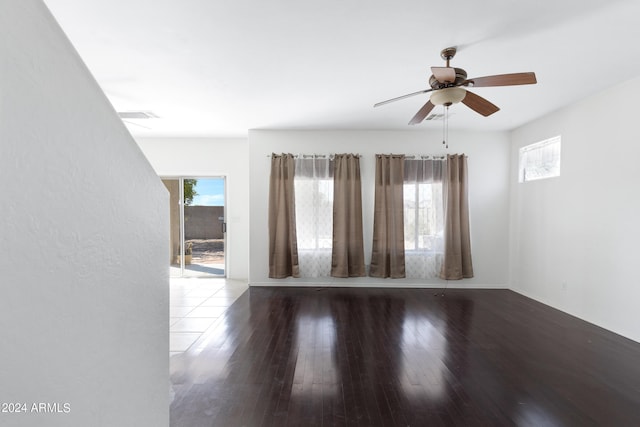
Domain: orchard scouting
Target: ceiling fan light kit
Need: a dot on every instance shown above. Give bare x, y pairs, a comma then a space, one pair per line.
448, 87
448, 96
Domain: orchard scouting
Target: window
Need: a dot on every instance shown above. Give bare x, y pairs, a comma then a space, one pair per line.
313, 183
540, 160
423, 217
314, 213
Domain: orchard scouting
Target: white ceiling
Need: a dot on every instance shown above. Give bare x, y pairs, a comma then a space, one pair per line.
219, 68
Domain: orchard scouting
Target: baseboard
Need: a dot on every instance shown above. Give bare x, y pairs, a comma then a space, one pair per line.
458, 284
576, 315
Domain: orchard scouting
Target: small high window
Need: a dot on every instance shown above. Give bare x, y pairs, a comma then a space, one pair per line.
540, 160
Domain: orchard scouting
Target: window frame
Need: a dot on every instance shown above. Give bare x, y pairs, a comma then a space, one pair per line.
416, 216
553, 171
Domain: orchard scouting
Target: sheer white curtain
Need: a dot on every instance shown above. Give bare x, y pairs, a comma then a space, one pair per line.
314, 215
423, 217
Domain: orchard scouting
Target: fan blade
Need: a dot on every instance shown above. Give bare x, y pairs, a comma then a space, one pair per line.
402, 97
479, 104
444, 74
503, 80
422, 113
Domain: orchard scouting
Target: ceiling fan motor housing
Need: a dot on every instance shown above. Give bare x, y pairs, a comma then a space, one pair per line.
461, 77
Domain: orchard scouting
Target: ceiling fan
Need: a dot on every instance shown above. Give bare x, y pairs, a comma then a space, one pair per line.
449, 84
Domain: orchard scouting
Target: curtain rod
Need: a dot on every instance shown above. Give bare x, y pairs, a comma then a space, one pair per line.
331, 156
315, 156
413, 157
426, 157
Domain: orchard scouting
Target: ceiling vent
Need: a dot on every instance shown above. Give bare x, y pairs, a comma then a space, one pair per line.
434, 116
137, 115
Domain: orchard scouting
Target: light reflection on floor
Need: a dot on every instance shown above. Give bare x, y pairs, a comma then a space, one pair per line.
196, 305
423, 340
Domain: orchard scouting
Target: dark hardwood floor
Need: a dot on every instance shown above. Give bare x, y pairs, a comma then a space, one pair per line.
404, 357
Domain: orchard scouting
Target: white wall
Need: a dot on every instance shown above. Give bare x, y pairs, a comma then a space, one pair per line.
212, 157
83, 276
575, 237
488, 180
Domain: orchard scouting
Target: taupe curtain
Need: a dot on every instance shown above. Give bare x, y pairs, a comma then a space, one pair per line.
457, 240
347, 256
283, 250
387, 255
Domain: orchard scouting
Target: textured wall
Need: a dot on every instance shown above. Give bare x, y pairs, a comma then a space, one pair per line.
84, 232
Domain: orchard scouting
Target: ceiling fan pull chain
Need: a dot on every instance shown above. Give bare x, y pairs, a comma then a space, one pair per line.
445, 127
446, 115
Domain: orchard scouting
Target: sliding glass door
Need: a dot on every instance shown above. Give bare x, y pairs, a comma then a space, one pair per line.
198, 227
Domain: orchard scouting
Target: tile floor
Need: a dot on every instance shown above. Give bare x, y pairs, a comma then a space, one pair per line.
196, 305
